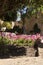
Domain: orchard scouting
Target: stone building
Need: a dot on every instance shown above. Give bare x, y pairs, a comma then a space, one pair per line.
30, 22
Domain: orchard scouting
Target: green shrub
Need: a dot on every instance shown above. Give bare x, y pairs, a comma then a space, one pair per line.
7, 25
30, 42
3, 45
19, 42
0, 39
4, 41
22, 42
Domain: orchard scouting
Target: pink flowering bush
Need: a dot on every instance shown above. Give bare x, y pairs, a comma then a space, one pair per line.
11, 38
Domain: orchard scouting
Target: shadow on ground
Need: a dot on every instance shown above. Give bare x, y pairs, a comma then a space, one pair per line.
11, 50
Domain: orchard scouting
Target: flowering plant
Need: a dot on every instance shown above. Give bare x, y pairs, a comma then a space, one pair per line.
11, 38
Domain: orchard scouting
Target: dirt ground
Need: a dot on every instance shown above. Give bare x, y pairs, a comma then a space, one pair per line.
24, 60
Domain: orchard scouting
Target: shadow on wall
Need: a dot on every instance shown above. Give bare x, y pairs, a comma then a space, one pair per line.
35, 30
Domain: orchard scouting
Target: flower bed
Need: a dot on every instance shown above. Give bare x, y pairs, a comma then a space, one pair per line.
20, 43
18, 39
13, 35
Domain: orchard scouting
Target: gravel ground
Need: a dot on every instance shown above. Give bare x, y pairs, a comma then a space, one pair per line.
23, 60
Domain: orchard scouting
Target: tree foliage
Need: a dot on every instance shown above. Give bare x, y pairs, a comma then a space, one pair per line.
9, 6
18, 4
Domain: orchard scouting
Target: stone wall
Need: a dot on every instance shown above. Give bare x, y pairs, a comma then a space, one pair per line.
29, 23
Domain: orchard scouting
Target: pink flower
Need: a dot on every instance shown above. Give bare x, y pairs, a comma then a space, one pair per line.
33, 37
38, 36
